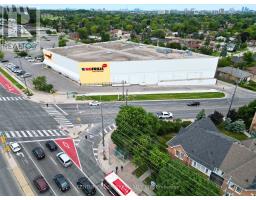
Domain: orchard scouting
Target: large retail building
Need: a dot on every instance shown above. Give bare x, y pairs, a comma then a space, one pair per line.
118, 61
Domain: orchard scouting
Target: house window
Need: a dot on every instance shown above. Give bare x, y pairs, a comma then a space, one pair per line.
231, 186
179, 154
238, 189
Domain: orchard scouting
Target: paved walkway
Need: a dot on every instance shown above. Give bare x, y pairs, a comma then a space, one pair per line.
111, 162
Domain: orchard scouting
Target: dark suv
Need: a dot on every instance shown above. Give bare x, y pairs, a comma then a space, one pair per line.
51, 145
194, 103
41, 184
62, 182
38, 153
86, 186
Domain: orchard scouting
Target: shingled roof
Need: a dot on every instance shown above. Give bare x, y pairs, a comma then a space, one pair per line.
206, 145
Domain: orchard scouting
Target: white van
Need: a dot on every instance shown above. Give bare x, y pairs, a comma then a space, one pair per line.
64, 159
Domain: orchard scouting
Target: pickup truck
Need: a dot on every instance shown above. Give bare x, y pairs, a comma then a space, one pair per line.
164, 115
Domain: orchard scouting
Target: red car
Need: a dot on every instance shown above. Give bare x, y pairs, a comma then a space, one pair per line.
41, 184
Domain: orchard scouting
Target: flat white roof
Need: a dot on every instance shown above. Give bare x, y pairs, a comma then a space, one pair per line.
121, 51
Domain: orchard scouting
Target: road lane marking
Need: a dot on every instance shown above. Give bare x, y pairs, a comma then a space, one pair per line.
39, 170
54, 162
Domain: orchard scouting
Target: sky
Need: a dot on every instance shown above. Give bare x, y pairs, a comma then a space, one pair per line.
146, 7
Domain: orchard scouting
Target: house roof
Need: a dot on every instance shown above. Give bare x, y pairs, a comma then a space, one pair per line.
252, 70
203, 143
235, 72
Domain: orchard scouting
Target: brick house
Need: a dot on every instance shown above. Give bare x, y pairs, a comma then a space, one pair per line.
227, 162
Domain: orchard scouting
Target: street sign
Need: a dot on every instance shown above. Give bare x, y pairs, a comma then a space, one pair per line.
68, 146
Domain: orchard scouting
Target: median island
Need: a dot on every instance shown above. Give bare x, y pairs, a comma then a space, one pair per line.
145, 97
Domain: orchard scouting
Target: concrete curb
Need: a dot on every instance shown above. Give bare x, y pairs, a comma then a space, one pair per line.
18, 174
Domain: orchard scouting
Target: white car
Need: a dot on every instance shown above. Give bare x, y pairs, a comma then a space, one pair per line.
28, 57
31, 60
26, 75
64, 159
94, 103
15, 147
165, 115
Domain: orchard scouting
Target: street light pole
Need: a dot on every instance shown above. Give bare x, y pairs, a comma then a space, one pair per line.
232, 99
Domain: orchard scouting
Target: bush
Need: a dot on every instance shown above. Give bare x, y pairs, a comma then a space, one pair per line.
216, 117
237, 126
200, 115
1, 55
233, 115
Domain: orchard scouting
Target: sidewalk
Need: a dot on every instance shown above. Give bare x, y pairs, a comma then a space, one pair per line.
112, 161
21, 180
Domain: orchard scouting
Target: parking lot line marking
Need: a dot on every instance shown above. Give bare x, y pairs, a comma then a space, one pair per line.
40, 133
23, 133
12, 133
18, 133
54, 162
45, 132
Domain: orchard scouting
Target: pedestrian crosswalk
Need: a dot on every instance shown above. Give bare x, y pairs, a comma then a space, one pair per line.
12, 98
34, 133
58, 116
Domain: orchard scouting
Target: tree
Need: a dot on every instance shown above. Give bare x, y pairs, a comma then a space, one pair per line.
40, 84
237, 126
174, 45
62, 42
233, 115
246, 113
216, 117
22, 53
201, 115
248, 57
225, 61
1, 55
104, 36
83, 33
227, 123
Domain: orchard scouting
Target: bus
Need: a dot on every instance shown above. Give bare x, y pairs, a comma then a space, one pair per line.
116, 186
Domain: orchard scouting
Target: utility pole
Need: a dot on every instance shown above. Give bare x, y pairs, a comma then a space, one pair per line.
126, 97
123, 89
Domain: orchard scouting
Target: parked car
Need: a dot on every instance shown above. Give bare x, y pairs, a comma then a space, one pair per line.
164, 115
31, 60
26, 75
9, 65
62, 182
38, 153
17, 71
51, 145
194, 103
64, 159
41, 184
20, 72
15, 68
4, 61
86, 186
28, 57
94, 103
15, 147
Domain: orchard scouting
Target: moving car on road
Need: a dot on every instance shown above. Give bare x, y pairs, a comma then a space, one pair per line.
94, 103
15, 147
38, 153
62, 182
164, 115
64, 159
86, 186
194, 103
41, 184
51, 145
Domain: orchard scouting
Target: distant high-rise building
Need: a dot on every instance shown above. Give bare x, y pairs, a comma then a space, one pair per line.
221, 11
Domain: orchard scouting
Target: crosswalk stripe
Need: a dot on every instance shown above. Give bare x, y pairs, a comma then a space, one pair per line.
7, 98
12, 133
35, 133
18, 133
56, 132
51, 133
62, 132
28, 132
40, 133
4, 99
23, 133
45, 132
7, 134
19, 98
12, 98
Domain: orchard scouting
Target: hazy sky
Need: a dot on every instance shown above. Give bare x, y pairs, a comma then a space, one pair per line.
147, 7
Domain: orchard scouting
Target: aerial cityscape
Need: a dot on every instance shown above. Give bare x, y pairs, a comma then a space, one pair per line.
127, 100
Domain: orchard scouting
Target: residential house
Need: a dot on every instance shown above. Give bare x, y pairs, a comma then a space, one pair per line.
252, 70
118, 34
233, 74
74, 36
226, 162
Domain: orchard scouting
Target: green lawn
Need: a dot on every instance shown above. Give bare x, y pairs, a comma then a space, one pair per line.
10, 78
251, 85
141, 97
238, 136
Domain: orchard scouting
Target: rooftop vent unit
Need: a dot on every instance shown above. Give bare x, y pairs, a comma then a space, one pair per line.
164, 50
